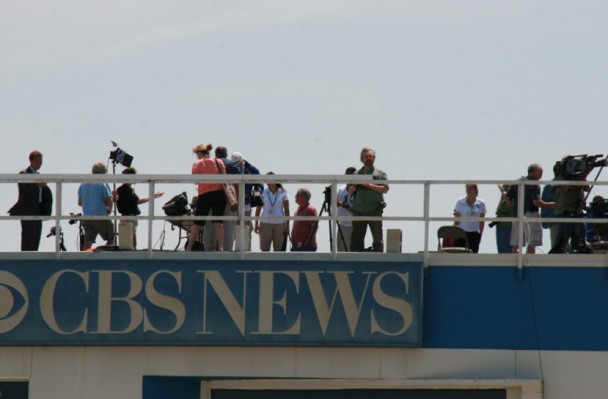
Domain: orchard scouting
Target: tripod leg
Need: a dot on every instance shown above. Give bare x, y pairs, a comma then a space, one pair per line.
325, 208
343, 240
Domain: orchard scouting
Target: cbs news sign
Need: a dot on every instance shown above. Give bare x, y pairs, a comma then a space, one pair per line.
210, 303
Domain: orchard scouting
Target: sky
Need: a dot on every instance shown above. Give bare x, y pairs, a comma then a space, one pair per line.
441, 89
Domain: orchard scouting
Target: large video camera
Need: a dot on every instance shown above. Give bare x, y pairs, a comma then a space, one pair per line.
572, 167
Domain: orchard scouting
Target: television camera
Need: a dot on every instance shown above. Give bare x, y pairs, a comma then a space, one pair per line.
572, 167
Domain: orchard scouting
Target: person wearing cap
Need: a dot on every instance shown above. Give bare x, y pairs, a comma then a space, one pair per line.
247, 169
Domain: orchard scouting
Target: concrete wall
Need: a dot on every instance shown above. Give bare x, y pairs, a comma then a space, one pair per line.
117, 372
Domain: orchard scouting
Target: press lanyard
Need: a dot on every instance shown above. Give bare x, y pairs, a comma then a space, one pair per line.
276, 197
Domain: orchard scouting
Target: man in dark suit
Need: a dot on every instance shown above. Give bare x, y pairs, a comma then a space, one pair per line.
35, 199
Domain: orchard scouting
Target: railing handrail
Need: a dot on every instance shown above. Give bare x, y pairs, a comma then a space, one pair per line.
332, 180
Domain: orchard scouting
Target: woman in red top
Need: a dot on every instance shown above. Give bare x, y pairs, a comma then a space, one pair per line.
210, 195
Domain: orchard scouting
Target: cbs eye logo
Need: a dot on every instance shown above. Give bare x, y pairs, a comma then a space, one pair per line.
14, 301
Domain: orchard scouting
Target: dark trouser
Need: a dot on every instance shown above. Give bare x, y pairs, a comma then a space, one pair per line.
357, 239
569, 232
30, 234
474, 238
503, 239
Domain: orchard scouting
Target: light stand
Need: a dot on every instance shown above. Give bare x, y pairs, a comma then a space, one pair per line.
118, 156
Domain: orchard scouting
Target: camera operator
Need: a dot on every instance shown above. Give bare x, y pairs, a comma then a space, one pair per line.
533, 232
570, 202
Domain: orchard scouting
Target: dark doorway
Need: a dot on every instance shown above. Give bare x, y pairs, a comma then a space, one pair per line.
13, 389
360, 394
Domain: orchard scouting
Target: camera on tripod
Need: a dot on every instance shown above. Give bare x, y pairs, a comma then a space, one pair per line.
74, 221
53, 232
571, 167
327, 194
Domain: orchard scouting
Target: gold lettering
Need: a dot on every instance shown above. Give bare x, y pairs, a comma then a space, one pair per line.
399, 305
104, 316
344, 290
235, 310
171, 304
267, 303
47, 299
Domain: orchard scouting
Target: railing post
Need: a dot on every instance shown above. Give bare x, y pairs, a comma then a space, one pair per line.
333, 223
151, 190
521, 190
241, 221
58, 232
427, 193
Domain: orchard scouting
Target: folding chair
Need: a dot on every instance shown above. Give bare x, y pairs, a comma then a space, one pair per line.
449, 236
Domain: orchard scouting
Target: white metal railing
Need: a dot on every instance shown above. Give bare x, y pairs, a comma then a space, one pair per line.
333, 181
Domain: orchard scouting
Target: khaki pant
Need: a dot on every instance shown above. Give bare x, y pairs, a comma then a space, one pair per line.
271, 233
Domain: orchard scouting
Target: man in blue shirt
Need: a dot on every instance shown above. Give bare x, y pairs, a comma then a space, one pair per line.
96, 200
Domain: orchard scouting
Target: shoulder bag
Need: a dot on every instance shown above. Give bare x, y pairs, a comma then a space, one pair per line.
230, 191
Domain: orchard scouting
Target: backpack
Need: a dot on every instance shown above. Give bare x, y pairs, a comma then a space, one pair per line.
177, 206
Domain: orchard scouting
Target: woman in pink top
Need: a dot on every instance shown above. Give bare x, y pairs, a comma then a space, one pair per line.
210, 195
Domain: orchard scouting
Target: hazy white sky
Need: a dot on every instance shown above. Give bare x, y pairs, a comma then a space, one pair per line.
470, 89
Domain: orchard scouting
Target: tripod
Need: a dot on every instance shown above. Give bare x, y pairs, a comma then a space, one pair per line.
114, 162
325, 207
53, 232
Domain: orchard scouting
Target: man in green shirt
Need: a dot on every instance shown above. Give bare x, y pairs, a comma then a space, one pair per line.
368, 201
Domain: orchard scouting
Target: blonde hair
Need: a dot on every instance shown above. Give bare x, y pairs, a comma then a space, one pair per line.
205, 149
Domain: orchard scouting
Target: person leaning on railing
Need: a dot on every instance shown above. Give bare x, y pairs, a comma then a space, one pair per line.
127, 202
